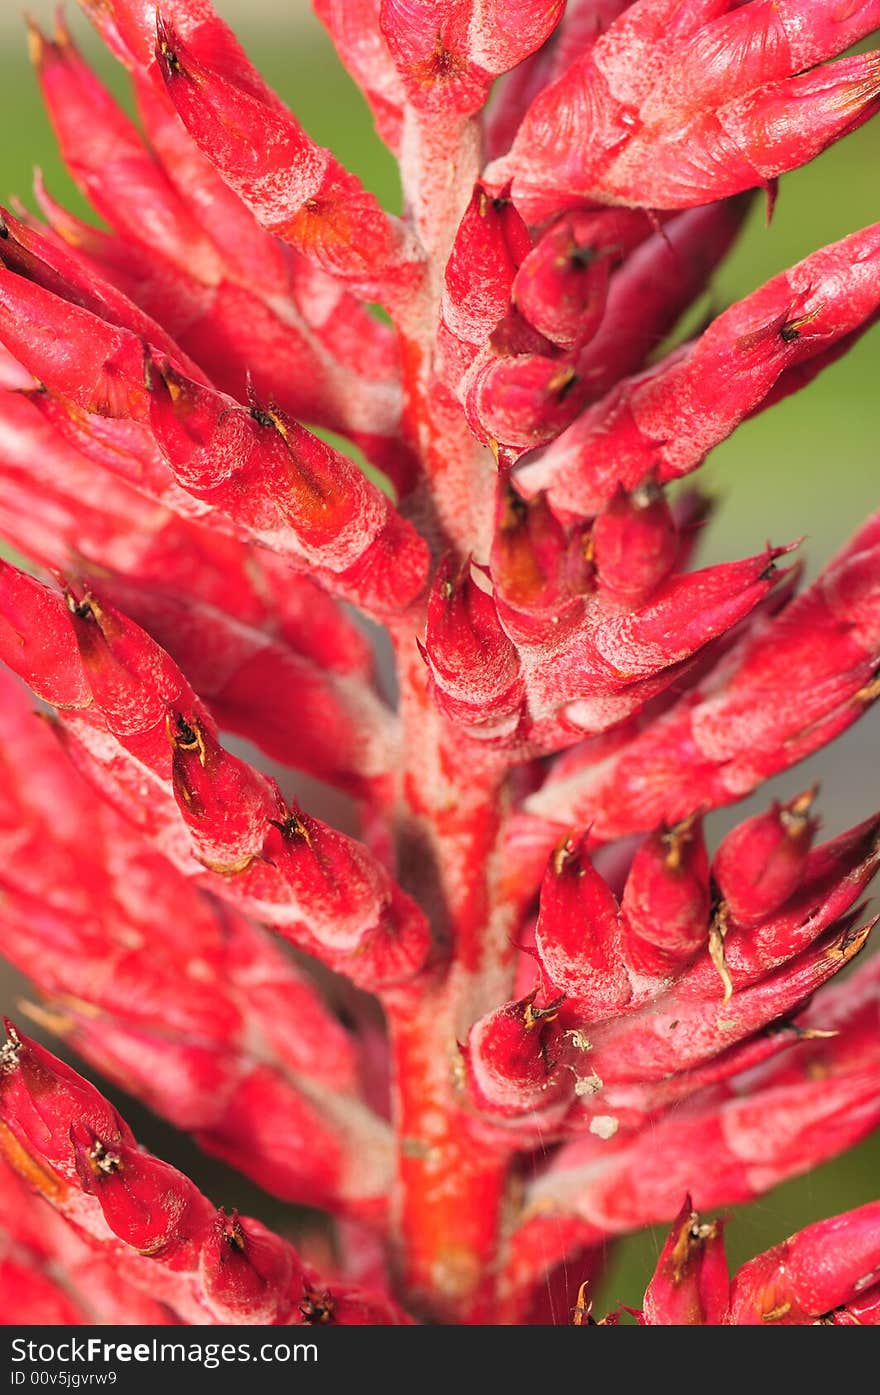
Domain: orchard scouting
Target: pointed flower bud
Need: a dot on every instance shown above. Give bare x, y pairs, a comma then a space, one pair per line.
246, 1270
448, 52
41, 1097
761, 862
474, 666
225, 804
681, 1031
524, 400
578, 933
635, 542
111, 163
490, 244
669, 418
66, 1141
562, 286
690, 1286
537, 570
275, 477
616, 127
294, 188
151, 1207
748, 721
728, 1146
35, 639
581, 25
666, 900
512, 1060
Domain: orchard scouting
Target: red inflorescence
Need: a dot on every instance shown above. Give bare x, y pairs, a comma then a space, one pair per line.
530, 1005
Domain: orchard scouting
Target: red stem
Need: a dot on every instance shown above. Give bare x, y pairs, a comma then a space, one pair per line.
451, 1187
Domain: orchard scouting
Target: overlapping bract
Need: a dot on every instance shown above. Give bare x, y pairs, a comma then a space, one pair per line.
826, 1275
643, 1003
142, 736
677, 104
177, 997
567, 679
163, 1235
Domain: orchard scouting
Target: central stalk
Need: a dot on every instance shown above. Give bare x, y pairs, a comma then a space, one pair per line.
452, 1180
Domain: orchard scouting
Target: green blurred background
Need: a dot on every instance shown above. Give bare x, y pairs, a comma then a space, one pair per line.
809, 467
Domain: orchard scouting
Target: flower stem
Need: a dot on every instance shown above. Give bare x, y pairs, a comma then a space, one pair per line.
451, 1185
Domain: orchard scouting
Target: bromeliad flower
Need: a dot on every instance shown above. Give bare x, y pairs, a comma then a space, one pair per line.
573, 1010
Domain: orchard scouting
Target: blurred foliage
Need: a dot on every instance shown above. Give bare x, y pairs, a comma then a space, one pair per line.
808, 467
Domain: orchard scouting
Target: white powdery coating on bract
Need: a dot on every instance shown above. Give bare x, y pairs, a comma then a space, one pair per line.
560, 800
327, 926
504, 32
279, 191
339, 552
135, 788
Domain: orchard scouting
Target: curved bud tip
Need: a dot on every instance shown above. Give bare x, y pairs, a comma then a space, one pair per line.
146, 1202
246, 1270
562, 286
511, 1057
524, 400
760, 862
635, 542
226, 804
536, 568
474, 665
690, 1286
490, 243
41, 1099
578, 931
666, 900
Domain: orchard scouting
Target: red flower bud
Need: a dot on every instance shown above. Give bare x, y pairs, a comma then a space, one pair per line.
668, 419
474, 666
578, 936
151, 1207
761, 862
294, 188
247, 1271
535, 1073
745, 722
666, 901
490, 244
690, 1286
448, 52
523, 400
538, 571
128, 1205
826, 1266
562, 286
617, 127
634, 543
512, 1063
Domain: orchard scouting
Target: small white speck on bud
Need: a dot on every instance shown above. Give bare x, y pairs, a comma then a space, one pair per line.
9, 1051
588, 1085
604, 1125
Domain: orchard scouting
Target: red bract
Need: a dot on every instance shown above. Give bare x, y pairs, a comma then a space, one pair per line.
525, 1003
76, 1151
690, 1286
827, 1274
620, 125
